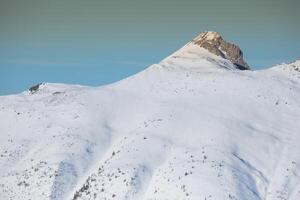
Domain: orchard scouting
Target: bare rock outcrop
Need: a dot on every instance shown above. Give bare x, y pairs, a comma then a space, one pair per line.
214, 43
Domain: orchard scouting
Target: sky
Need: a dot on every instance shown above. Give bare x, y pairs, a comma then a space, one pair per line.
96, 42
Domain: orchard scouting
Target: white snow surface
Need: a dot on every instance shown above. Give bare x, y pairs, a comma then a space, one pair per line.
189, 127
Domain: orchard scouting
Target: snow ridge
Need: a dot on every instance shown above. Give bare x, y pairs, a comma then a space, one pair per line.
193, 126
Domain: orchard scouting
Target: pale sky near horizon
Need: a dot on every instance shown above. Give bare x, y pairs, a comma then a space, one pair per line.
95, 42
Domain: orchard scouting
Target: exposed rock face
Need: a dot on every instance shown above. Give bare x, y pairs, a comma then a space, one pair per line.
214, 43
296, 65
35, 88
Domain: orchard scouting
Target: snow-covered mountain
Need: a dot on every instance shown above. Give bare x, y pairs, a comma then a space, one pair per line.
193, 126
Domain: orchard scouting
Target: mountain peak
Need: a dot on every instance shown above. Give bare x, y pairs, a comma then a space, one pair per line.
214, 43
208, 35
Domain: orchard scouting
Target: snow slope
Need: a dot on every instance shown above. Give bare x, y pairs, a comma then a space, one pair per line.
190, 127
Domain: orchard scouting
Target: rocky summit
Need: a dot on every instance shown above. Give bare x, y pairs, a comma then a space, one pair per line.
214, 43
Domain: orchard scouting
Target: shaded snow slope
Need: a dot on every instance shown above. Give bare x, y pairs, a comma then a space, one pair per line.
190, 127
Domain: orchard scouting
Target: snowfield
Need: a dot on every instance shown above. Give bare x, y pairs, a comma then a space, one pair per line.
190, 127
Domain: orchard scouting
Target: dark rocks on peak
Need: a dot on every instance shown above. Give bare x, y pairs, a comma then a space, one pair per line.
214, 43
35, 88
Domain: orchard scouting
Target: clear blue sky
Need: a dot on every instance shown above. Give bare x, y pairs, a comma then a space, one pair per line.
97, 42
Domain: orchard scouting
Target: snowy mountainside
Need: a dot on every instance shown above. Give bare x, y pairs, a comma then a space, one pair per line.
292, 70
190, 127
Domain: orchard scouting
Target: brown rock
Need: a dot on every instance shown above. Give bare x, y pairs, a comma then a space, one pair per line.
214, 43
